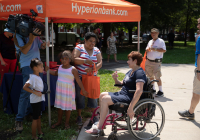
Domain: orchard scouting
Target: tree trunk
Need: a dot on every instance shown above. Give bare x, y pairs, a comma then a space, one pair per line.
56, 32
106, 28
191, 33
111, 27
187, 20
130, 35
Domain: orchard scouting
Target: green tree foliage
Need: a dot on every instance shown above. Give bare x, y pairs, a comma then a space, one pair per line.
159, 13
188, 18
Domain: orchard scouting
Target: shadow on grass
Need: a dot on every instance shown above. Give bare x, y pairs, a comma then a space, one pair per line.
6, 135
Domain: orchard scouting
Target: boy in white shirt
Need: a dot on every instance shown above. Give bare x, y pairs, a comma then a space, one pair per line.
35, 86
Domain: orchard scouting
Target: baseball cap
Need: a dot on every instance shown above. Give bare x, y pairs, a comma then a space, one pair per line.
8, 30
154, 30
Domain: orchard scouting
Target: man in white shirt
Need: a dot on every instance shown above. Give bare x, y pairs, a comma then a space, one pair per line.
155, 49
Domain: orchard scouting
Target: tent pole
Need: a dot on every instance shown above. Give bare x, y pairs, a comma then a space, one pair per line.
52, 41
47, 62
138, 36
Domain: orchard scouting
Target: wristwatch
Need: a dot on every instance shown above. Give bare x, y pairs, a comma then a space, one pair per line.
197, 71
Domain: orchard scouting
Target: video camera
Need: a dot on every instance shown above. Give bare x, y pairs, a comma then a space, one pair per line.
24, 24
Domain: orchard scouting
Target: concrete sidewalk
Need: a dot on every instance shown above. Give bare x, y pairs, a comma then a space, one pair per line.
177, 86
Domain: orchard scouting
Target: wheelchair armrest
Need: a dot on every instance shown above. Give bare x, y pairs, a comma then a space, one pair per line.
133, 91
118, 85
153, 81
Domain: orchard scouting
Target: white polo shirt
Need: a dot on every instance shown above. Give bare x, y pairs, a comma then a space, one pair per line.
159, 43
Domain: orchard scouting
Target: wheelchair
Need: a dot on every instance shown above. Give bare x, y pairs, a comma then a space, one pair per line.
147, 123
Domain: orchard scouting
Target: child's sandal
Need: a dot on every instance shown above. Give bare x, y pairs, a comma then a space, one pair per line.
41, 135
55, 125
67, 127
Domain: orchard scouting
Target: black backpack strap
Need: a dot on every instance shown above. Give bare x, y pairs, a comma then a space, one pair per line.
45, 87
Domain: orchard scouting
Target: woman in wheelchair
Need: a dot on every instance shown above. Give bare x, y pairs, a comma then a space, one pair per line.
135, 79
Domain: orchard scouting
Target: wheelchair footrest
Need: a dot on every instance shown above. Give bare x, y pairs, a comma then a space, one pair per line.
95, 120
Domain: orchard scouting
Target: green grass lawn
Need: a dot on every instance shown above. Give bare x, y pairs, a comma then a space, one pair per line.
178, 55
7, 121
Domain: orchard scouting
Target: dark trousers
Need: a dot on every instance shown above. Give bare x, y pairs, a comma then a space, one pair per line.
171, 43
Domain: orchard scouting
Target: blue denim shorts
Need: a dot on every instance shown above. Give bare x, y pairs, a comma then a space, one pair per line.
80, 99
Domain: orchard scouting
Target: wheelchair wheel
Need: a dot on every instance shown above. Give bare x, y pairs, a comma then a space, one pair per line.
148, 121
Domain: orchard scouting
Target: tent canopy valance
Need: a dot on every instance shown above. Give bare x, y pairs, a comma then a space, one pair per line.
73, 11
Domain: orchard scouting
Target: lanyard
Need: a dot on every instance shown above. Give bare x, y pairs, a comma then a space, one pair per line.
154, 42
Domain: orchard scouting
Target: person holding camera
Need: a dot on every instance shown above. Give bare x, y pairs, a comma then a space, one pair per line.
29, 48
7, 53
155, 49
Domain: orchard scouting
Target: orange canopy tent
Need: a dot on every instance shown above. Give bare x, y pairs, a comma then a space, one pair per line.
73, 11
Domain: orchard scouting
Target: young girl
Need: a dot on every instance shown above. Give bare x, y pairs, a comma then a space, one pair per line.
35, 86
65, 88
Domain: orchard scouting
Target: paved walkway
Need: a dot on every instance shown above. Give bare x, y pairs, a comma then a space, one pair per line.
177, 85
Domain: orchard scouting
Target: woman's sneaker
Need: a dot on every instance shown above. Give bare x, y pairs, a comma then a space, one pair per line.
79, 121
91, 122
89, 125
186, 114
159, 94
